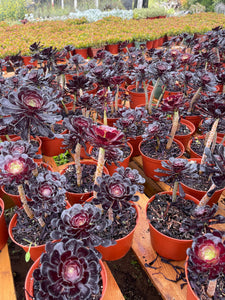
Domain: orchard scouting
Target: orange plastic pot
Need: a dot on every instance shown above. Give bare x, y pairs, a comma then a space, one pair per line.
53, 147
129, 45
80, 197
29, 291
190, 293
138, 98
184, 139
83, 52
169, 93
198, 194
121, 247
170, 248
15, 198
27, 61
3, 228
195, 120
35, 251
135, 144
195, 154
150, 164
113, 48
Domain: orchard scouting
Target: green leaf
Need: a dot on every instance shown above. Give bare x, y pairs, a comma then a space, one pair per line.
27, 256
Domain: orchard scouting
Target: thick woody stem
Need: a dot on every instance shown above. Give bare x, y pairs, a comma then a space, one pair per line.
173, 129
205, 199
26, 208
223, 89
24, 201
194, 98
100, 165
146, 94
149, 104
77, 164
74, 102
116, 97
211, 288
210, 139
175, 188
161, 96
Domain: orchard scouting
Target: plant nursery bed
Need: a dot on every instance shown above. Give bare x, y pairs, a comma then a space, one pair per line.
140, 275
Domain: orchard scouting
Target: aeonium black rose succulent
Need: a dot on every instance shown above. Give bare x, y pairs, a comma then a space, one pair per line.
82, 222
115, 192
206, 265
31, 110
47, 193
134, 177
68, 271
19, 147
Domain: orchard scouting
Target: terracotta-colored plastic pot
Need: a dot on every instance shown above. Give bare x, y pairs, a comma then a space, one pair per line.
129, 45
83, 154
53, 147
184, 139
195, 119
27, 61
149, 44
83, 52
170, 248
35, 251
92, 51
150, 164
169, 93
201, 137
29, 280
3, 227
121, 247
135, 144
198, 194
113, 48
190, 293
14, 198
80, 197
138, 98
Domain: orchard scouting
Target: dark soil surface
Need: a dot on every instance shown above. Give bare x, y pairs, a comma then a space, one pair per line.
129, 275
198, 146
166, 216
149, 149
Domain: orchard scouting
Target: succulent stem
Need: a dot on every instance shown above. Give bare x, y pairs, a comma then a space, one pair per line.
149, 104
24, 201
194, 98
77, 164
211, 288
175, 188
205, 199
210, 139
161, 96
100, 165
116, 97
173, 129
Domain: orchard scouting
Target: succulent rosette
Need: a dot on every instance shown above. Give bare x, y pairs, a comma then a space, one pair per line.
115, 192
172, 103
104, 136
19, 147
47, 193
82, 222
33, 110
134, 177
178, 169
16, 168
78, 127
67, 271
207, 255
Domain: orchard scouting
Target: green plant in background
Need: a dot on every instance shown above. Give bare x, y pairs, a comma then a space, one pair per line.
12, 9
62, 158
155, 10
